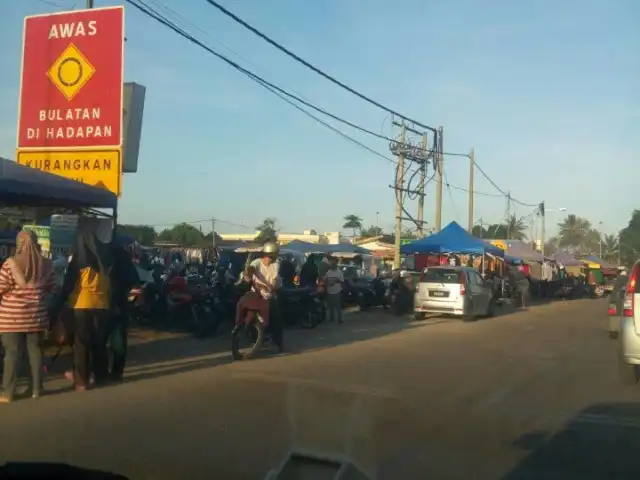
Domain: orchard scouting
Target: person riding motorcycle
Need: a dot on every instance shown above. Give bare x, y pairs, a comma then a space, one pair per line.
264, 278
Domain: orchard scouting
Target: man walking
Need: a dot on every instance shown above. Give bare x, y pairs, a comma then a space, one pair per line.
333, 281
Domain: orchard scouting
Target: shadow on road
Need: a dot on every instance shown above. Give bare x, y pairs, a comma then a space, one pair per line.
600, 442
175, 355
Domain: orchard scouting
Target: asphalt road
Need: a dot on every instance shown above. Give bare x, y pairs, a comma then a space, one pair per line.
530, 394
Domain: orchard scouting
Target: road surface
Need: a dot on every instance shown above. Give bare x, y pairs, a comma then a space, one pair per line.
530, 394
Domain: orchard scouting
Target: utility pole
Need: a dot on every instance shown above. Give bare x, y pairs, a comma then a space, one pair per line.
481, 223
421, 186
399, 197
405, 150
472, 170
508, 214
542, 227
439, 164
213, 232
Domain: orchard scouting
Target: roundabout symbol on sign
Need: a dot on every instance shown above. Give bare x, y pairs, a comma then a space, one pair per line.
78, 68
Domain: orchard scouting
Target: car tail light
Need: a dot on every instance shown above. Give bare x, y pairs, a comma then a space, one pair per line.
612, 310
630, 291
463, 283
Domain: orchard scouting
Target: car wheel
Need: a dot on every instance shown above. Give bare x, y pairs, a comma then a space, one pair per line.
419, 315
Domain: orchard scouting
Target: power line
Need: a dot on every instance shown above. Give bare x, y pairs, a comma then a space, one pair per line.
281, 93
289, 97
501, 190
313, 67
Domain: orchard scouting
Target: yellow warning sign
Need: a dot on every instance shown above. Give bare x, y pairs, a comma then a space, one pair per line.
70, 71
500, 244
100, 168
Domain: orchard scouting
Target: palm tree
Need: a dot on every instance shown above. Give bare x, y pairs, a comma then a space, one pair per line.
516, 228
573, 232
353, 222
267, 231
610, 248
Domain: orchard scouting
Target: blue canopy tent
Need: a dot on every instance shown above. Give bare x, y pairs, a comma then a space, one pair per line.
28, 187
306, 247
451, 239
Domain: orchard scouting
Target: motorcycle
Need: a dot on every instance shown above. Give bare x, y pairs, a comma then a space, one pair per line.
401, 297
302, 306
373, 294
296, 305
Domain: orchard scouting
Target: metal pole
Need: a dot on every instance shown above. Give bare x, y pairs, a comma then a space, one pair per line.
421, 186
601, 246
472, 169
508, 215
377, 223
399, 197
439, 160
89, 3
542, 228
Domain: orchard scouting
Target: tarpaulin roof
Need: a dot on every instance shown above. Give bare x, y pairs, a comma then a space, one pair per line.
306, 247
519, 249
565, 259
599, 261
26, 186
454, 239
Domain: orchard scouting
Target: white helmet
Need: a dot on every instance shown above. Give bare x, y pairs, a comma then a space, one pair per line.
270, 248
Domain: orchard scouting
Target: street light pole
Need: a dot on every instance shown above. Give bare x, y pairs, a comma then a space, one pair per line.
600, 239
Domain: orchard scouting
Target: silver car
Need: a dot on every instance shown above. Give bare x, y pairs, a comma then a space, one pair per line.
629, 353
459, 291
616, 306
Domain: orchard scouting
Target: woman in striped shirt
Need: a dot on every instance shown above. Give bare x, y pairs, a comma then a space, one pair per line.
25, 278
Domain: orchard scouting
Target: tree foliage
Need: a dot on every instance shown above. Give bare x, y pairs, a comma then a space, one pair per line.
183, 234
371, 231
578, 236
267, 231
143, 234
630, 240
352, 221
514, 228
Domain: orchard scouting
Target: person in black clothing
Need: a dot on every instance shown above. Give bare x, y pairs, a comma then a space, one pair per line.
125, 278
309, 272
287, 271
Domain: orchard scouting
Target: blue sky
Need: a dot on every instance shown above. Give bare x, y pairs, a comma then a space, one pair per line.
546, 92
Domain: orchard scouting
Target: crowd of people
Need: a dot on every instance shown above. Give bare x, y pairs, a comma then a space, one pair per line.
88, 312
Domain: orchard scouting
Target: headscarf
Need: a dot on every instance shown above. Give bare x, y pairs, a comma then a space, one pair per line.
28, 266
91, 252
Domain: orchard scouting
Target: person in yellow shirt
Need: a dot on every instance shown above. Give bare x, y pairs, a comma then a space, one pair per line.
87, 292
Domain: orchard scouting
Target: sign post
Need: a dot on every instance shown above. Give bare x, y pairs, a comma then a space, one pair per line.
71, 95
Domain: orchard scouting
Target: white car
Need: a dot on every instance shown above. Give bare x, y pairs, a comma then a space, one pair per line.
629, 354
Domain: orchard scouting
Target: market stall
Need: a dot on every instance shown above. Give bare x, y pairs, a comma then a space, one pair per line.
453, 239
27, 193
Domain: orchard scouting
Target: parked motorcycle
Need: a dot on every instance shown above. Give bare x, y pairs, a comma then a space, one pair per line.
302, 306
373, 294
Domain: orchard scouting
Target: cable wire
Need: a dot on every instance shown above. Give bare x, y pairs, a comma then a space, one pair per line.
289, 97
313, 67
